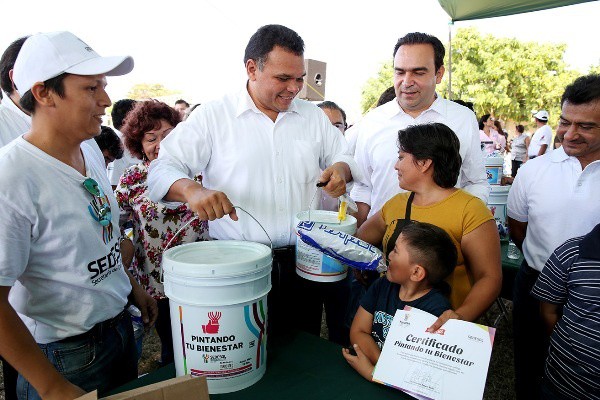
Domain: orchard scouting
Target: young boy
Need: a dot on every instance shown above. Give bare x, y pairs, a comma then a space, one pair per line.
569, 290
423, 256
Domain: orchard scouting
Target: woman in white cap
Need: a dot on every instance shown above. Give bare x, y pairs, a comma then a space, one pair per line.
59, 236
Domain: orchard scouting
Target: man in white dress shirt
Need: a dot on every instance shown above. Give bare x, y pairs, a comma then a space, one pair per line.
261, 149
116, 168
13, 120
418, 68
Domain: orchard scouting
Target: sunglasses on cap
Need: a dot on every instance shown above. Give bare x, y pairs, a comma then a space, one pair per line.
100, 207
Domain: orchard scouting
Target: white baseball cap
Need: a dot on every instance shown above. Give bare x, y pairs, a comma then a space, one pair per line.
46, 55
542, 115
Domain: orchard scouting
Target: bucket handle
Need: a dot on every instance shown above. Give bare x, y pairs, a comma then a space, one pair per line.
195, 218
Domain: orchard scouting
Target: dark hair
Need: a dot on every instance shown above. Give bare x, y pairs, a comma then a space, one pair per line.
483, 120
7, 62
146, 116
432, 248
468, 104
388, 95
181, 101
55, 84
332, 106
423, 38
520, 128
498, 126
584, 89
269, 36
108, 140
120, 110
435, 142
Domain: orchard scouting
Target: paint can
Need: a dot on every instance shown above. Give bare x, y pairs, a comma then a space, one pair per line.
217, 292
494, 167
497, 203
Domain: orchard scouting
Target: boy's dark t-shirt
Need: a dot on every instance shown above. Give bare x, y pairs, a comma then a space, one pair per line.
382, 301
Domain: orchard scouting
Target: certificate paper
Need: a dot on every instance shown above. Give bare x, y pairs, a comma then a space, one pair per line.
449, 364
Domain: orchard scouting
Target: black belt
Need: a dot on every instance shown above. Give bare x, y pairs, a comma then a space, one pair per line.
97, 330
283, 251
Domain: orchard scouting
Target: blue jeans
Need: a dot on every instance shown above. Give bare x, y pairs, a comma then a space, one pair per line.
103, 358
530, 338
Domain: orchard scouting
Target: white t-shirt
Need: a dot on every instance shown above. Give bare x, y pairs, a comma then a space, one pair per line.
541, 136
558, 201
13, 121
377, 150
518, 148
116, 168
64, 268
268, 168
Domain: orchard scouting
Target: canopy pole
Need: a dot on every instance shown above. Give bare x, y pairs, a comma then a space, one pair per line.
450, 59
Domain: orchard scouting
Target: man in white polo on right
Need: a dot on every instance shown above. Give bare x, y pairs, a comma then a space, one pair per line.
553, 198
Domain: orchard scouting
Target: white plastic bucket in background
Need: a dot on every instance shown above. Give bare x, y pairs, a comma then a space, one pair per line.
497, 203
217, 292
312, 264
494, 168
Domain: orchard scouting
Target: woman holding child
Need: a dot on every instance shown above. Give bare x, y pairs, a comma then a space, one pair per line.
428, 168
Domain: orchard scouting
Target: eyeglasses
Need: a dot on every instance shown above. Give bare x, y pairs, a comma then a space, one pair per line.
100, 207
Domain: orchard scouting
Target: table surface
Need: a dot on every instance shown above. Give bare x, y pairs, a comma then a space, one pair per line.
303, 366
509, 271
508, 263
299, 366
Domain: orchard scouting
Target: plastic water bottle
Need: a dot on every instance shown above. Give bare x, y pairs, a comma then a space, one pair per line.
138, 328
512, 252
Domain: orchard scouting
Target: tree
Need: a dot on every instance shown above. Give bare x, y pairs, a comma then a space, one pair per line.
142, 91
507, 77
375, 86
501, 76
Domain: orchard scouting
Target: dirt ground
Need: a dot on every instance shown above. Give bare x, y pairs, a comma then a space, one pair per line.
499, 385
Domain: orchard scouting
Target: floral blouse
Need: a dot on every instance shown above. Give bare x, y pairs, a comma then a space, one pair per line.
153, 226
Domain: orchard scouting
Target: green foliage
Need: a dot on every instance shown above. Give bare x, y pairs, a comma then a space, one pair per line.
143, 91
506, 77
377, 85
501, 76
595, 69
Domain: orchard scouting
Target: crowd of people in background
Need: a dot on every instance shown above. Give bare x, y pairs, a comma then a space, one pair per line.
86, 220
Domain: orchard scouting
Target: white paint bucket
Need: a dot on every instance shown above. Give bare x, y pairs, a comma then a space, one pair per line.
313, 265
218, 300
494, 167
497, 203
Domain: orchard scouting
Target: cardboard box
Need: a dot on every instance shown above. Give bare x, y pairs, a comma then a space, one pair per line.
183, 387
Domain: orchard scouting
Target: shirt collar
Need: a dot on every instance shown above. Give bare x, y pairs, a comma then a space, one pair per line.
245, 103
438, 106
8, 103
559, 155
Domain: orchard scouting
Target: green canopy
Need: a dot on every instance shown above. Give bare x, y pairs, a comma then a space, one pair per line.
462, 10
